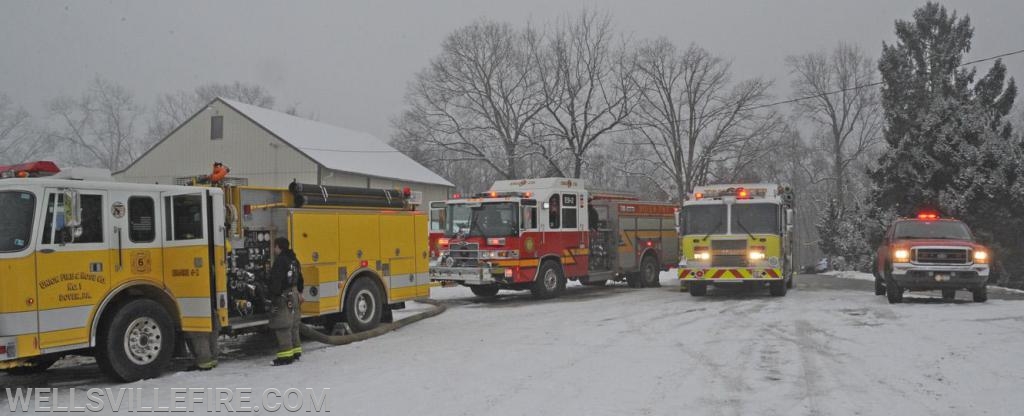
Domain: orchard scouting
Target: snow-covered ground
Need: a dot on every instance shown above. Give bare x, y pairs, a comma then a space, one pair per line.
870, 277
829, 348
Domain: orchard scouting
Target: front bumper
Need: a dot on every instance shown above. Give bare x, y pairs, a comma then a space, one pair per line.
916, 276
727, 275
472, 276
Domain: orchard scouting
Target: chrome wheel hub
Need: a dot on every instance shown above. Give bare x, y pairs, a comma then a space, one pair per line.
143, 341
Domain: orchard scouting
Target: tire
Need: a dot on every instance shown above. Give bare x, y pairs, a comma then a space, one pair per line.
550, 281
948, 294
698, 289
137, 342
37, 365
893, 292
980, 294
485, 291
364, 305
879, 287
778, 288
649, 274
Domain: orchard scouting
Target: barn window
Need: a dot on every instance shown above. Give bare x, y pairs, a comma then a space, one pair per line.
216, 127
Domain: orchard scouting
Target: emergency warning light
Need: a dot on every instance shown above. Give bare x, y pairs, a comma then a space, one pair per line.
29, 170
742, 193
927, 215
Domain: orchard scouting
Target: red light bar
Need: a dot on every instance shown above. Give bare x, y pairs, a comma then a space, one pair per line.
493, 194
742, 194
457, 196
698, 196
32, 169
927, 216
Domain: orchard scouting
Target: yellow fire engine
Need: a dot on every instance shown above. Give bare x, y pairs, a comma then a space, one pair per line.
122, 270
737, 234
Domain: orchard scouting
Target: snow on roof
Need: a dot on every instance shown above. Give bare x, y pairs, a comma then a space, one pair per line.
338, 148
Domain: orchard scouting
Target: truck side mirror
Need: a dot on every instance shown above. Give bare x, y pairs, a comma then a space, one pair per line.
72, 214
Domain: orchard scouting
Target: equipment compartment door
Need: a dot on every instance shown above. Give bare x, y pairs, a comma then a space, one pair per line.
398, 250
73, 271
314, 237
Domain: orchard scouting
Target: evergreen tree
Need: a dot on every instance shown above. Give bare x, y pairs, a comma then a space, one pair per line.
950, 141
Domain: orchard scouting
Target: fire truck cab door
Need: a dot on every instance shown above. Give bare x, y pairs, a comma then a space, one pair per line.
187, 255
73, 267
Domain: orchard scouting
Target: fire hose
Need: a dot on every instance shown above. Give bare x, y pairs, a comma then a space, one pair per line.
311, 333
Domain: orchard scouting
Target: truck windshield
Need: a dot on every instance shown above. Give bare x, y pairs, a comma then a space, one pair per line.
18, 208
755, 218
939, 230
492, 219
703, 219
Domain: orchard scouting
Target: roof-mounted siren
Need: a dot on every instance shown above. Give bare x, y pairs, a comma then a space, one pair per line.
786, 193
29, 170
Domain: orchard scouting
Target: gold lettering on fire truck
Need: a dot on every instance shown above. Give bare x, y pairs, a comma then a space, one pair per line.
184, 272
73, 285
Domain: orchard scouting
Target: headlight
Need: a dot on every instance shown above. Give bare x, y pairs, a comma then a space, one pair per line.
756, 255
981, 256
901, 255
702, 255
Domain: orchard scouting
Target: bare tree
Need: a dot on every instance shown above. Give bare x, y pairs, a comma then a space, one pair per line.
19, 140
479, 99
587, 88
172, 109
251, 94
842, 106
698, 123
100, 127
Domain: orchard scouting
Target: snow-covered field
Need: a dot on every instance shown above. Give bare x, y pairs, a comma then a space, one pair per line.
829, 348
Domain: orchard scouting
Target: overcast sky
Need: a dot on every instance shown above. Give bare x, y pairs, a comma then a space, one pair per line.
349, 61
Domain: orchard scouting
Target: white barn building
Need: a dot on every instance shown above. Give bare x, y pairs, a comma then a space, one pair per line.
269, 148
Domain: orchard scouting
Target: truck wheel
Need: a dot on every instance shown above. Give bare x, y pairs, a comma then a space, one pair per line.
364, 305
36, 365
550, 281
879, 287
137, 342
697, 288
893, 292
980, 294
777, 288
948, 294
650, 275
485, 291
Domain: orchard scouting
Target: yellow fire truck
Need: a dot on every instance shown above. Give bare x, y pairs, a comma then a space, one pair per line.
121, 270
737, 234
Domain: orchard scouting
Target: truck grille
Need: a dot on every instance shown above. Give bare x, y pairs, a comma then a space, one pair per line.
465, 251
729, 253
941, 256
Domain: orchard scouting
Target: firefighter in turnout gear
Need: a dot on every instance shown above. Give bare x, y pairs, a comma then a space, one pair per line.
285, 288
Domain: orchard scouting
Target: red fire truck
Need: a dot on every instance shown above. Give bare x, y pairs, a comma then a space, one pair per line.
536, 234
